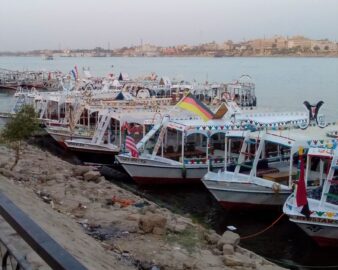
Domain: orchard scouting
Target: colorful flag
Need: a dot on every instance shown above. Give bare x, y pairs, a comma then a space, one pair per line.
190, 103
131, 146
301, 198
125, 127
75, 73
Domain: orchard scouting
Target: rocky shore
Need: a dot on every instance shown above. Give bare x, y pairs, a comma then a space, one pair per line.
107, 227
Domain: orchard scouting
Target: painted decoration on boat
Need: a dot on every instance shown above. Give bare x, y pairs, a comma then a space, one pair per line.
316, 214
323, 152
328, 144
313, 115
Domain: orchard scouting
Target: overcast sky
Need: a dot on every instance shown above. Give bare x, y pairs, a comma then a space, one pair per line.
54, 24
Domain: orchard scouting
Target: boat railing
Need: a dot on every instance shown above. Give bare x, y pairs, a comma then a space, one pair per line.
246, 178
203, 160
46, 247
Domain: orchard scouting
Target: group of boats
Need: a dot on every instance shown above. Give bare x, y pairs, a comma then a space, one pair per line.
12, 79
245, 156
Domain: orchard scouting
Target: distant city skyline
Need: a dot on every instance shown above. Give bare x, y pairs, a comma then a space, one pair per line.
62, 24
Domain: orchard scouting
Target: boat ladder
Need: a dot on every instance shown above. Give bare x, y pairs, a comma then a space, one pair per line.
44, 105
245, 152
155, 128
78, 110
159, 141
21, 101
101, 127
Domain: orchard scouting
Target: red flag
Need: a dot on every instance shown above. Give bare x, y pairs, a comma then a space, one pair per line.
301, 198
125, 127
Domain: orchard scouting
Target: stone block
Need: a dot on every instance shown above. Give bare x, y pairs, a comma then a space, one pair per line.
91, 176
228, 238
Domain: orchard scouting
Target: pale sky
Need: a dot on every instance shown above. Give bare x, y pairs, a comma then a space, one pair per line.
54, 24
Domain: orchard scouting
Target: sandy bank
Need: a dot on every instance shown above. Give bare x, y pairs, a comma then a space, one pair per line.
107, 227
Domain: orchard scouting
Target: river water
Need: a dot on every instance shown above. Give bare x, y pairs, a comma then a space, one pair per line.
281, 84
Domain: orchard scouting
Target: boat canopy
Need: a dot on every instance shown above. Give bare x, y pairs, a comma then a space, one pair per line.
241, 122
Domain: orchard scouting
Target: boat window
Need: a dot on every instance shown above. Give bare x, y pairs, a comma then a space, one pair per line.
316, 173
332, 196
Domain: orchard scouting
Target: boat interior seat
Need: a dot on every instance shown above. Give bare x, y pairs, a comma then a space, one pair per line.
190, 147
170, 149
260, 173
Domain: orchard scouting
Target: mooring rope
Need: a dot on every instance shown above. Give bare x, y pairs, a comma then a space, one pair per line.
284, 263
264, 230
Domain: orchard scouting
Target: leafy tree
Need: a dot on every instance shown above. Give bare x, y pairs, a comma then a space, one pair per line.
19, 128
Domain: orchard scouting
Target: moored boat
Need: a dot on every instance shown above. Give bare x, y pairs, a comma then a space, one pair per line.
110, 131
317, 215
269, 157
182, 149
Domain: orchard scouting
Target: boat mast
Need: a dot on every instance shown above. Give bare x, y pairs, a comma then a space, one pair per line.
225, 152
182, 150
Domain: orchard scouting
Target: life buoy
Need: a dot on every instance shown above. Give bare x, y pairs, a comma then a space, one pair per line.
143, 94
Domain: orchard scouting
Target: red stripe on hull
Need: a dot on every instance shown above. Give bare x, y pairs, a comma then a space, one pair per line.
94, 151
325, 242
165, 181
62, 144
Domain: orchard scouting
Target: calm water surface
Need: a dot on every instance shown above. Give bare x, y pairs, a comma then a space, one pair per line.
281, 84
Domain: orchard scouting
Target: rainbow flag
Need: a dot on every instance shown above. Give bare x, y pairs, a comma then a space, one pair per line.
190, 103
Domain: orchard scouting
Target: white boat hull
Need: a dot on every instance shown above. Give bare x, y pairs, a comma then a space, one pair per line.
79, 145
61, 136
321, 225
323, 234
145, 171
234, 194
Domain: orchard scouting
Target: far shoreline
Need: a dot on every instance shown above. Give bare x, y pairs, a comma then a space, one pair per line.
189, 56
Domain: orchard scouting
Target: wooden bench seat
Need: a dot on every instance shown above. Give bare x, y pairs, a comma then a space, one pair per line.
261, 172
277, 176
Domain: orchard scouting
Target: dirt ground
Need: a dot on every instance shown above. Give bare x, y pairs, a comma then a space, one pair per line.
107, 227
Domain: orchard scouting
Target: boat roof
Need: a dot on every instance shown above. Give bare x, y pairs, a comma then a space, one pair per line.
241, 121
313, 136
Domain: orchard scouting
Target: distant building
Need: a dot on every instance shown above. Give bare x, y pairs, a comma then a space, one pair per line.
146, 50
227, 46
262, 45
169, 51
299, 42
281, 43
323, 46
212, 46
